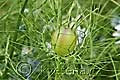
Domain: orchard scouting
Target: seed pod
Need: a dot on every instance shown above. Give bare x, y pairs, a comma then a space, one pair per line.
63, 41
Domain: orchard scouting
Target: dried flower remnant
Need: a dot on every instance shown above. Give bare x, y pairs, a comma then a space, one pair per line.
117, 27
116, 34
26, 10
81, 32
26, 50
22, 28
115, 22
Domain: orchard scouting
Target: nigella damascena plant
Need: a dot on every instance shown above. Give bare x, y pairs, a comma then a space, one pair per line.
65, 38
63, 41
115, 22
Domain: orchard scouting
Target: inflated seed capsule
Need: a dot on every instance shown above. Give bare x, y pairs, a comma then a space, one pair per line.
63, 41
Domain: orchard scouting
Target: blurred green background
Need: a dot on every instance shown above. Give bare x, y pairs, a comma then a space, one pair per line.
24, 38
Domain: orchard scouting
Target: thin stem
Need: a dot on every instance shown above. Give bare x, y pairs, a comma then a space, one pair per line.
18, 24
77, 19
59, 19
16, 34
70, 11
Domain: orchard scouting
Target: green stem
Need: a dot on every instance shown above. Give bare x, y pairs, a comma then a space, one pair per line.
76, 22
16, 34
69, 13
59, 14
18, 24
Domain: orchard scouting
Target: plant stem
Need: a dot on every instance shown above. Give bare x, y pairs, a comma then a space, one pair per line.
15, 35
59, 14
18, 24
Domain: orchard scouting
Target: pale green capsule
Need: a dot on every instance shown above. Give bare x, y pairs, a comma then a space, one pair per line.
63, 41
